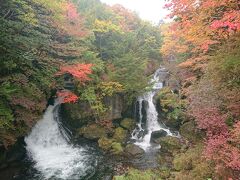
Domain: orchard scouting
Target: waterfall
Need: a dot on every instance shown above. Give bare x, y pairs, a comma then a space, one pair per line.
152, 124
49, 148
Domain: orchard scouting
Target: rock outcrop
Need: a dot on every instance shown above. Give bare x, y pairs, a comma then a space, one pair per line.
133, 150
156, 135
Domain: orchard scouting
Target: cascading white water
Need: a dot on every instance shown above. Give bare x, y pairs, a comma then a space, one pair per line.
47, 145
152, 123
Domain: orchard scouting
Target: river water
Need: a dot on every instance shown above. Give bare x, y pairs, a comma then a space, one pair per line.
142, 134
52, 154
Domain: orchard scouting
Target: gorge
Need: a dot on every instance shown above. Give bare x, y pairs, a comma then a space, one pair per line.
92, 91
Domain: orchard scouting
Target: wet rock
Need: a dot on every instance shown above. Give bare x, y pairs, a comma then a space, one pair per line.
141, 134
120, 135
115, 106
133, 150
17, 151
77, 115
93, 132
170, 144
109, 145
116, 148
156, 135
105, 143
128, 123
173, 123
80, 114
144, 112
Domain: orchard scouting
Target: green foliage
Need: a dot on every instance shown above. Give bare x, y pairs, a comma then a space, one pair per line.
6, 116
6, 90
134, 174
110, 88
34, 42
129, 70
120, 135
171, 104
90, 95
191, 165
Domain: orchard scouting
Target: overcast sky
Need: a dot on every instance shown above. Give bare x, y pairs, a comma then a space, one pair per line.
151, 10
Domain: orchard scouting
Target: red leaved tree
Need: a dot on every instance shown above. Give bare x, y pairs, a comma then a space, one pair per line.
80, 72
67, 96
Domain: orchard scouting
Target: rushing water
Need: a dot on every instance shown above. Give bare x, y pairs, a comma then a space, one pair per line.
152, 124
53, 155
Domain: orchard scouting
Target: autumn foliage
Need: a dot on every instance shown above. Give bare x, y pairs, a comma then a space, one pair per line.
72, 22
200, 25
205, 39
79, 71
67, 96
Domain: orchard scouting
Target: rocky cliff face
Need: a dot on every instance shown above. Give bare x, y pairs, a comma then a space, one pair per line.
81, 113
116, 106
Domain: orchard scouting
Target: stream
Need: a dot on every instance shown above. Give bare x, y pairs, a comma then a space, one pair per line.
54, 156
51, 152
142, 133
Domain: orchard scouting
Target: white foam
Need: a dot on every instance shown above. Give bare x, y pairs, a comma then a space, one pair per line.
152, 123
52, 154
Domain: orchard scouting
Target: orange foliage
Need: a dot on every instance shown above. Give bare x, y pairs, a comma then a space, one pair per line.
201, 24
67, 96
79, 71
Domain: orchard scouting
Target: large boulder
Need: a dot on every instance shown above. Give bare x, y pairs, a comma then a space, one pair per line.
81, 113
120, 135
133, 150
170, 144
155, 135
76, 115
128, 124
116, 148
173, 122
115, 106
93, 132
105, 143
109, 145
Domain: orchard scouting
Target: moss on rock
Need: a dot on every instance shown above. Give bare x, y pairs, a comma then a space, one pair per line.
134, 174
133, 150
105, 143
171, 106
191, 165
93, 132
116, 148
170, 144
120, 135
128, 123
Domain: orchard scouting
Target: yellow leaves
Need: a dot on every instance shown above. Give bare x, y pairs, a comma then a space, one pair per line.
171, 43
109, 88
106, 26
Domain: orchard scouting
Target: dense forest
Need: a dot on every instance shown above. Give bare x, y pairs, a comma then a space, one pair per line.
99, 59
